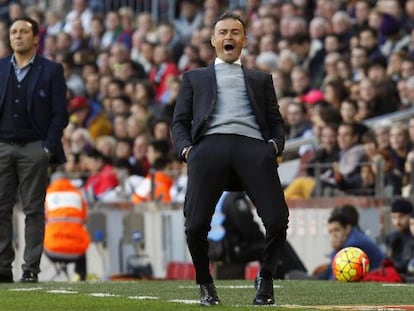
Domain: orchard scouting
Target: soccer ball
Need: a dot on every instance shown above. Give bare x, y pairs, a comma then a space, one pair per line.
350, 264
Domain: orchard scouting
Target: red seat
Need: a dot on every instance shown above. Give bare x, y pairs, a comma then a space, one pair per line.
180, 271
251, 270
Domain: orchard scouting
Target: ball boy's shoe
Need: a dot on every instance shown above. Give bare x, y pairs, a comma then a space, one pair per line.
29, 277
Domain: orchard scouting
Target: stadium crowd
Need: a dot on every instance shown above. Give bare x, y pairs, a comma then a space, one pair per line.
335, 64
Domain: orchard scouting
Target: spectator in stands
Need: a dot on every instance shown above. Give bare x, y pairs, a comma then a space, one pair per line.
322, 113
80, 10
78, 38
163, 68
407, 67
330, 67
396, 240
106, 144
342, 27
90, 116
400, 146
120, 105
157, 184
408, 179
392, 183
188, 20
300, 44
139, 161
317, 168
300, 80
146, 25
298, 124
97, 31
119, 126
16, 10
179, 187
113, 29
374, 165
410, 92
212, 10
123, 151
168, 38
388, 100
115, 87
410, 127
382, 134
135, 126
368, 39
318, 29
74, 80
367, 100
127, 23
53, 22
142, 52
359, 59
394, 65
395, 38
351, 154
344, 71
5, 48
361, 12
348, 110
334, 91
102, 176
80, 140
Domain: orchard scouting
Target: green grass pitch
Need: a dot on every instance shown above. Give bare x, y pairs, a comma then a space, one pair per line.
183, 295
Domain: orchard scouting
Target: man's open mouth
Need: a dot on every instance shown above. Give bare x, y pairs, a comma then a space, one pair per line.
229, 47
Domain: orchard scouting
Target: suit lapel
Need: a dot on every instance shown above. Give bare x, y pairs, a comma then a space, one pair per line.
211, 75
4, 79
257, 106
34, 77
248, 78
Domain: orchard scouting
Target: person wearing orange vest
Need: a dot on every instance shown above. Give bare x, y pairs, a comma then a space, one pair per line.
157, 184
155, 187
66, 236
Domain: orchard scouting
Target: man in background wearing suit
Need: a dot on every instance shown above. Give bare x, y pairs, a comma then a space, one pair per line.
228, 128
33, 115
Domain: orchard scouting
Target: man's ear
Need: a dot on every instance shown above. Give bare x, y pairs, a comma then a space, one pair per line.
245, 42
213, 40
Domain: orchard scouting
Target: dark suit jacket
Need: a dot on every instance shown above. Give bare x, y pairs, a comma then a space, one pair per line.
46, 99
197, 97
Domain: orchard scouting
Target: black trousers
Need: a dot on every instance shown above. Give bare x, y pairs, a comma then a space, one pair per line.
212, 164
23, 176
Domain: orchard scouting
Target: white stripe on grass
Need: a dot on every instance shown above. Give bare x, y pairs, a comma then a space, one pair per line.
61, 291
26, 289
143, 297
228, 286
104, 295
185, 301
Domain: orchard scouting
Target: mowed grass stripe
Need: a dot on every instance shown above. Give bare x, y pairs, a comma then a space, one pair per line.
183, 295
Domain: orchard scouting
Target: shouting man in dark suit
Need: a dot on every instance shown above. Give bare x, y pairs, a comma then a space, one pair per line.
33, 115
228, 128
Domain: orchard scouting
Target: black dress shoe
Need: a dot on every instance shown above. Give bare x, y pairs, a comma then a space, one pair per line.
6, 277
29, 277
264, 292
208, 295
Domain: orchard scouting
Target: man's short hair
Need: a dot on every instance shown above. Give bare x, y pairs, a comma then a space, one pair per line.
31, 21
